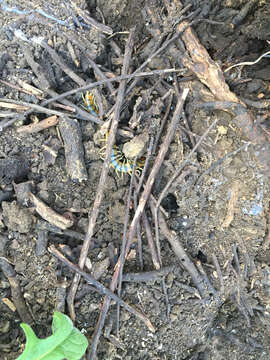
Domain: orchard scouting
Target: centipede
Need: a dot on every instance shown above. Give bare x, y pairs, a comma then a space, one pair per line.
90, 103
119, 162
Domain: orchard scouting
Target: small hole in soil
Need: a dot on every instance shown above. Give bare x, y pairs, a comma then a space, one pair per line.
202, 257
169, 203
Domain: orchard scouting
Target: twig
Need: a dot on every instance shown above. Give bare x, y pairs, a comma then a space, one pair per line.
181, 254
201, 64
74, 151
219, 273
35, 107
245, 9
145, 168
92, 63
97, 25
159, 160
46, 89
48, 214
182, 99
151, 243
57, 59
19, 88
42, 242
44, 225
123, 246
248, 62
163, 122
105, 169
148, 275
188, 130
231, 204
183, 164
102, 82
16, 292
41, 125
61, 294
207, 282
101, 288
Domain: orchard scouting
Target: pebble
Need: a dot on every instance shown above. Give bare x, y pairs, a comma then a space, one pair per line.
17, 218
136, 146
100, 268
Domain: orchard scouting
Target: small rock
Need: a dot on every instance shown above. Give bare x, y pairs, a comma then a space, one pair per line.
17, 218
169, 280
100, 268
222, 130
176, 309
173, 317
125, 316
136, 146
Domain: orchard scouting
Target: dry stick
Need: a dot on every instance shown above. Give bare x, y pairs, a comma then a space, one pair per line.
92, 63
80, 112
148, 275
41, 125
156, 53
180, 253
105, 169
165, 117
36, 107
177, 173
144, 217
151, 243
99, 287
145, 168
57, 59
138, 213
18, 88
200, 63
207, 281
102, 82
16, 292
188, 129
46, 88
124, 243
100, 189
219, 273
184, 95
139, 244
45, 85
88, 19
155, 258
159, 160
183, 164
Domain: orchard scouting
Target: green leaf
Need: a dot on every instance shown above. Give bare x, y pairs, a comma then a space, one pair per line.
66, 342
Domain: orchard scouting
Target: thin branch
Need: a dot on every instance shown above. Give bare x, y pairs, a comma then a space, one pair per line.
99, 287
105, 169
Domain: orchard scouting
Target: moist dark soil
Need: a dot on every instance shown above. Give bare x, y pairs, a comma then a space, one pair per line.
199, 207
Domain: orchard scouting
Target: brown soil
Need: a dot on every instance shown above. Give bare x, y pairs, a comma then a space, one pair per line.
198, 206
